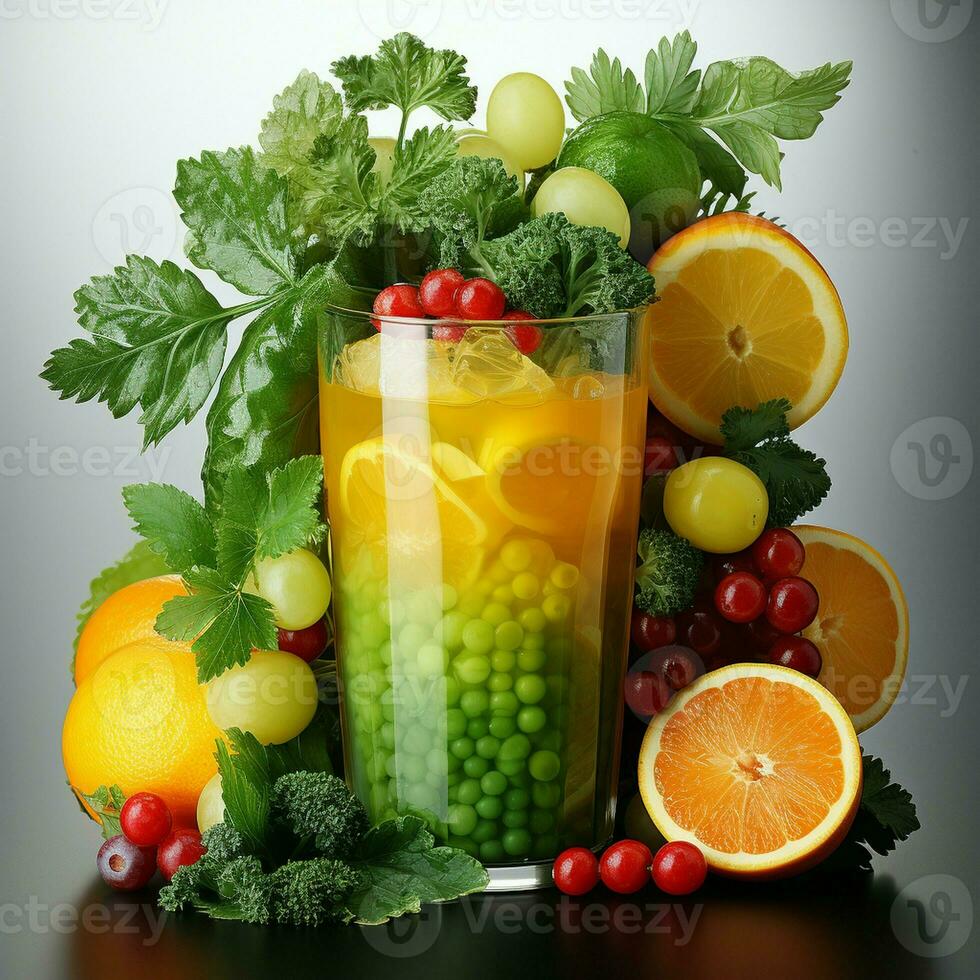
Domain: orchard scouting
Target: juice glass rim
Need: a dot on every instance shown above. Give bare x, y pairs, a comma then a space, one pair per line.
408, 321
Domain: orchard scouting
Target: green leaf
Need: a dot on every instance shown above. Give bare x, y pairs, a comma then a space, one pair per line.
606, 88
716, 164
106, 802
402, 869
671, 85
887, 809
174, 524
744, 428
291, 515
304, 110
264, 764
415, 165
237, 212
407, 74
227, 622
158, 342
139, 563
246, 800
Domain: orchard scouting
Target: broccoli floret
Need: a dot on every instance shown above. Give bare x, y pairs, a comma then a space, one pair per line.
668, 572
246, 888
319, 807
310, 893
223, 843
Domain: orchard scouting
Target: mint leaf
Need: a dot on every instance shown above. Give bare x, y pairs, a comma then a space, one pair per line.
139, 563
304, 110
237, 213
174, 524
158, 342
105, 802
407, 74
402, 868
227, 622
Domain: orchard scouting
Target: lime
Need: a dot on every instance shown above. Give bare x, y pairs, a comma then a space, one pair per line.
656, 174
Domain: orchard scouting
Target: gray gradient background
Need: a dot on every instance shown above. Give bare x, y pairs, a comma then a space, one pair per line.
96, 110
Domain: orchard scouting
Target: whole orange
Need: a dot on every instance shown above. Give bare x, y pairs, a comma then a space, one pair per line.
140, 720
125, 617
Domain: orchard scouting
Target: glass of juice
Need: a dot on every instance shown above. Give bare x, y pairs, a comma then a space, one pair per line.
483, 507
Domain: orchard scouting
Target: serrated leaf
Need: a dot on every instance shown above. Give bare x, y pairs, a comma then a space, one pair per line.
671, 86
158, 342
173, 523
246, 801
716, 164
605, 88
889, 804
290, 517
414, 166
743, 428
237, 212
106, 802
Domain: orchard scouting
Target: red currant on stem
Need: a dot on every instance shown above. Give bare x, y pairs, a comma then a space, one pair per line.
740, 597
576, 871
792, 605
797, 653
437, 292
145, 819
679, 868
525, 338
650, 632
180, 848
625, 866
659, 456
307, 644
480, 299
401, 299
778, 553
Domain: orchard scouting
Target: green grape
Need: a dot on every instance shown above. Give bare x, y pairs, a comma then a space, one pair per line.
478, 144
296, 585
273, 696
584, 198
210, 805
526, 117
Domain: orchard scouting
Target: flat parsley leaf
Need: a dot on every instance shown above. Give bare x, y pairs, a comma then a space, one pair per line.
106, 803
173, 523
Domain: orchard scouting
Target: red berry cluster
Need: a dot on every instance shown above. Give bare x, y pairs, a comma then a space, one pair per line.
678, 868
148, 841
446, 294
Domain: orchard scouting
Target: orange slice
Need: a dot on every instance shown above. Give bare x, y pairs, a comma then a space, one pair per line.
862, 627
746, 314
757, 765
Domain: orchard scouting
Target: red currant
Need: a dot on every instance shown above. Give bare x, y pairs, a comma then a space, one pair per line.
437, 292
307, 644
793, 605
449, 333
525, 338
576, 871
797, 653
725, 565
699, 628
647, 692
679, 868
399, 300
124, 865
480, 299
659, 455
650, 632
778, 553
679, 666
180, 848
145, 819
625, 866
740, 597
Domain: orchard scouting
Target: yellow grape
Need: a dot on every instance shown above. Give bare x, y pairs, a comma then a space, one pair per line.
478, 144
296, 584
585, 198
210, 804
526, 117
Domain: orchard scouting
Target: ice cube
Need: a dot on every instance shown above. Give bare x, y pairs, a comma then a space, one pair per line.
488, 365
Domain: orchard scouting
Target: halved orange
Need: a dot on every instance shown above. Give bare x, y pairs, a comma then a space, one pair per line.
746, 314
862, 627
757, 765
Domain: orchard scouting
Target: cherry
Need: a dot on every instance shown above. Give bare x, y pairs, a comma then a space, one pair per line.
450, 333
761, 634
625, 866
740, 597
180, 848
659, 455
525, 338
679, 868
437, 292
650, 632
647, 692
725, 565
792, 605
145, 819
797, 653
699, 628
679, 666
401, 299
124, 865
480, 299
778, 553
307, 644
576, 871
